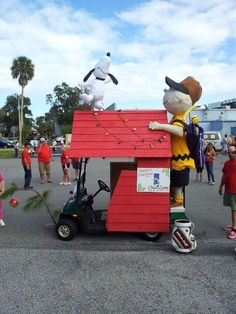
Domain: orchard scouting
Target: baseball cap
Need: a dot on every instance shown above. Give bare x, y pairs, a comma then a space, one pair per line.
42, 139
188, 86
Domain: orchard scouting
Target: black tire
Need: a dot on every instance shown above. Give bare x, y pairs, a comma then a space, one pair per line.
66, 229
152, 236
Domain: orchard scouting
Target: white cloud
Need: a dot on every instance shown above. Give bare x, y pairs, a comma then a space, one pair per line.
148, 42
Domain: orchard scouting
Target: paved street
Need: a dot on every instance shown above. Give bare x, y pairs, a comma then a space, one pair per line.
113, 273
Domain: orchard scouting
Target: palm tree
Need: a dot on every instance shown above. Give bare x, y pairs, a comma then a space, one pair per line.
23, 69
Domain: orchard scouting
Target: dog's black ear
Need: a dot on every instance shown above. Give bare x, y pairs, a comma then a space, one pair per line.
114, 80
88, 75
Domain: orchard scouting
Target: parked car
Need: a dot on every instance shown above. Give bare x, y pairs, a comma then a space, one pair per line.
10, 141
60, 140
3, 143
214, 138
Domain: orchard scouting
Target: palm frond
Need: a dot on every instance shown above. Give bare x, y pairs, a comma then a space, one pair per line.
36, 202
45, 195
32, 204
10, 191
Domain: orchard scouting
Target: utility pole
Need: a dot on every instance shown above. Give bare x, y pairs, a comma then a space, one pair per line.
20, 117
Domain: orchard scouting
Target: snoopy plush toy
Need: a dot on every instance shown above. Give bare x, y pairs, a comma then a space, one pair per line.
179, 100
96, 86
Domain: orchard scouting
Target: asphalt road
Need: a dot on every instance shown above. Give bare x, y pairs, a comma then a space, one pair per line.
113, 273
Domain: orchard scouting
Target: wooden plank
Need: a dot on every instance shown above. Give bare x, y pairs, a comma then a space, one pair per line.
140, 131
140, 208
138, 218
124, 138
80, 124
132, 191
135, 227
151, 115
153, 163
101, 134
121, 145
116, 153
140, 198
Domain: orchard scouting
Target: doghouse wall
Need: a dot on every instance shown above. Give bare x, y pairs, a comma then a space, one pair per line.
134, 211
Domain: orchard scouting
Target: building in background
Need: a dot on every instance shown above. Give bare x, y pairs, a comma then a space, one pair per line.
218, 116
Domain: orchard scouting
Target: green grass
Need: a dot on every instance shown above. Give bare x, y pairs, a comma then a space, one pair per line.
8, 153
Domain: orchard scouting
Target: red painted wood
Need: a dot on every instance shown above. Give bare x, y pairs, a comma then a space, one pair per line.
138, 218
153, 163
122, 134
137, 211
137, 227
132, 191
140, 209
139, 198
125, 139
122, 153
99, 124
119, 134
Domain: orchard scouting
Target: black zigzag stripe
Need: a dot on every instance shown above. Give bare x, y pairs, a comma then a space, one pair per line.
182, 157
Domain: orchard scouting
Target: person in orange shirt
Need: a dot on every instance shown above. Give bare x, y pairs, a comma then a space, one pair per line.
26, 163
65, 163
44, 160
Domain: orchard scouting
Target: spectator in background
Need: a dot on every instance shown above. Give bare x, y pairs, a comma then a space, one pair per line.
65, 162
225, 144
228, 181
210, 155
44, 160
54, 145
26, 163
16, 148
2, 190
199, 143
231, 140
76, 166
34, 145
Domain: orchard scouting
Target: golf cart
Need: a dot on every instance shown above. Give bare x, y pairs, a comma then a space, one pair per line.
79, 214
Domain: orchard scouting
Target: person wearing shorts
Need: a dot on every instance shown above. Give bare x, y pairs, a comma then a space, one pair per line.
65, 163
229, 183
44, 160
76, 165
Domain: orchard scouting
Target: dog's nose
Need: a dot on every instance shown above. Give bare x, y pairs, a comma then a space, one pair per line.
108, 54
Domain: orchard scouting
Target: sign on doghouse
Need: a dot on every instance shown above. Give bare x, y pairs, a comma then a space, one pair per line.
153, 179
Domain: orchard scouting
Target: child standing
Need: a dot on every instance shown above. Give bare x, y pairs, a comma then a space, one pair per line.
228, 181
65, 162
2, 189
210, 155
16, 148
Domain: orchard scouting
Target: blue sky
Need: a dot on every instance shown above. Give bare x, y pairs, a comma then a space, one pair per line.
148, 40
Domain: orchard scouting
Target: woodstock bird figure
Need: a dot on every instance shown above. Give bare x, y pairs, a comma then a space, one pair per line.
96, 86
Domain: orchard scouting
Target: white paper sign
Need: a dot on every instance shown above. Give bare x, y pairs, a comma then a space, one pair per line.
153, 179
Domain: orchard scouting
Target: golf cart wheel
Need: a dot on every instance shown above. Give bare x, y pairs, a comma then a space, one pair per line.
66, 229
152, 236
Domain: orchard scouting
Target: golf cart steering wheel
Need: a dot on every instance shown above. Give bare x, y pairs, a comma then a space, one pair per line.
103, 186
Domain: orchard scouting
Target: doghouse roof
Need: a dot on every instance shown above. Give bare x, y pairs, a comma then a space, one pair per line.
119, 134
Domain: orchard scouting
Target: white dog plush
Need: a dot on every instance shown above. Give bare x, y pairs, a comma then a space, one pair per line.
96, 86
